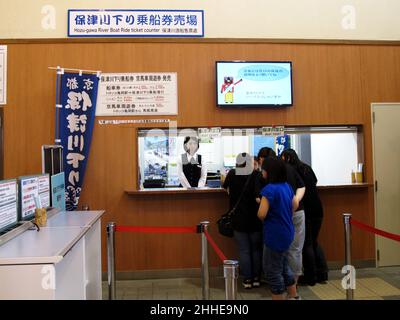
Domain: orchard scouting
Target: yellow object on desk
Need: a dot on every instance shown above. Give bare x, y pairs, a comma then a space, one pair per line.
359, 177
41, 217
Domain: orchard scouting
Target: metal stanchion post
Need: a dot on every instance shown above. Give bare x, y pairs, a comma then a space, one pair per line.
347, 240
205, 277
231, 274
111, 260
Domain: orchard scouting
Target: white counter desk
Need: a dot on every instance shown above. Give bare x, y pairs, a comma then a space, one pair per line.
61, 261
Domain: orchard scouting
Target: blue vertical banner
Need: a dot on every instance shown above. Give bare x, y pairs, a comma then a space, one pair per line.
282, 143
77, 108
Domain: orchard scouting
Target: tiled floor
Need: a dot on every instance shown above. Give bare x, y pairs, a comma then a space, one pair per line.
371, 283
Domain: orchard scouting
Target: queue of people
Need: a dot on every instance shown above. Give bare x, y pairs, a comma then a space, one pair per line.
276, 222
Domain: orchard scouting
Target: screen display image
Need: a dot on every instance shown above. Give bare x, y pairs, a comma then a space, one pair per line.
245, 83
8, 204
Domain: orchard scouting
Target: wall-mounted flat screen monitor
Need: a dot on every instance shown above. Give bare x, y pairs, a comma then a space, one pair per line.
8, 204
28, 191
254, 83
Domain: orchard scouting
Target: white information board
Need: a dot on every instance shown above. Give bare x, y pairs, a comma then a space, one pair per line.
8, 203
29, 190
3, 75
135, 23
132, 94
44, 190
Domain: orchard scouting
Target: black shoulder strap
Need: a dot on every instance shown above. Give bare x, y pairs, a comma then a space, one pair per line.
241, 195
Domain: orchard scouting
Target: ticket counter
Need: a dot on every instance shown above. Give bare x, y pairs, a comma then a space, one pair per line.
334, 152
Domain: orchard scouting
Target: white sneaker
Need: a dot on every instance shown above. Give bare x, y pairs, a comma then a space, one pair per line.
295, 298
247, 284
256, 283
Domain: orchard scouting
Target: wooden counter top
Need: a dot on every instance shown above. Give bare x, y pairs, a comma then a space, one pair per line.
154, 191
158, 191
345, 186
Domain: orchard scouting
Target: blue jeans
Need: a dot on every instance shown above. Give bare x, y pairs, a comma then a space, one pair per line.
250, 246
277, 270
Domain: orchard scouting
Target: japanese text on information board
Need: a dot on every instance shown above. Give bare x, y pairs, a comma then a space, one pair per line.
135, 23
128, 94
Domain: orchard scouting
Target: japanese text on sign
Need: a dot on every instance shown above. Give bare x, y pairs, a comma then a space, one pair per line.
78, 100
8, 203
29, 191
135, 23
127, 94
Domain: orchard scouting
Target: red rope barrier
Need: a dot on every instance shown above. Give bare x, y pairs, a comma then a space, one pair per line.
215, 247
156, 229
171, 230
382, 233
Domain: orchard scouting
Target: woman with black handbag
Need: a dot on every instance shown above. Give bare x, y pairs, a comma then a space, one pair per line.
243, 186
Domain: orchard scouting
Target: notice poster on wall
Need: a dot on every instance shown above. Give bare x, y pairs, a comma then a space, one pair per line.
3, 75
8, 203
131, 94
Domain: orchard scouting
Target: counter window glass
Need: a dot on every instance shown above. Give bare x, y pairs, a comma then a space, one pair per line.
166, 159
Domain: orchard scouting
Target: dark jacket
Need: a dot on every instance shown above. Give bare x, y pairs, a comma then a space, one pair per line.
311, 200
295, 180
245, 217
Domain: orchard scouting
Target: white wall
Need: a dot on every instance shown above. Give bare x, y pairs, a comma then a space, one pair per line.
284, 19
333, 157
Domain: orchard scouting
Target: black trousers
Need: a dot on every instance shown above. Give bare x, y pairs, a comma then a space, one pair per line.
314, 262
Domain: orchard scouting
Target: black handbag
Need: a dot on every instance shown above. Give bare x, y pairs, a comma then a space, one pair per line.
225, 225
225, 222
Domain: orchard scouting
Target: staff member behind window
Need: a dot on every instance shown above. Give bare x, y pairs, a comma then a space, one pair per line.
192, 171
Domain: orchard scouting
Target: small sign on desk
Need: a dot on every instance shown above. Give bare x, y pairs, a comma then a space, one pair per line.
58, 191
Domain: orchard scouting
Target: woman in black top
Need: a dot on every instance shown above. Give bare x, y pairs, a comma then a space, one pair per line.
247, 227
314, 263
192, 171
